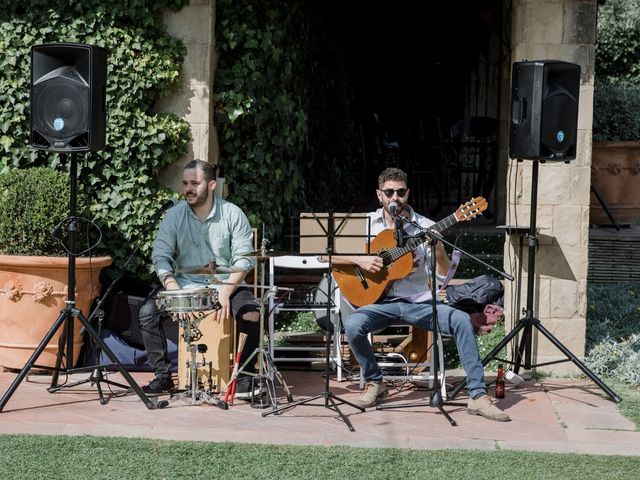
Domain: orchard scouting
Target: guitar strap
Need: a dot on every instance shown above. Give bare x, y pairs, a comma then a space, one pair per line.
455, 260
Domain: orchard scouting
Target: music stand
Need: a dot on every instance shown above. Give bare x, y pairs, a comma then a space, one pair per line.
67, 316
331, 401
529, 321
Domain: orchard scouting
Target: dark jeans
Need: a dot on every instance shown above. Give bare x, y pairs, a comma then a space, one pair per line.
242, 302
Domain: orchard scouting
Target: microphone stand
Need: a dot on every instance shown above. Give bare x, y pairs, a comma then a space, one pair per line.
97, 375
71, 312
436, 400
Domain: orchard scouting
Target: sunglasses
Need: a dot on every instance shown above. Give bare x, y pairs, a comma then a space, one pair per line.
390, 191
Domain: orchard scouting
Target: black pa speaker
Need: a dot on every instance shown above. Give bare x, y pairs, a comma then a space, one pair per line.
68, 93
544, 110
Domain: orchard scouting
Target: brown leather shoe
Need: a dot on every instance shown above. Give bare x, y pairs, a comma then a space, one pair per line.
371, 394
484, 407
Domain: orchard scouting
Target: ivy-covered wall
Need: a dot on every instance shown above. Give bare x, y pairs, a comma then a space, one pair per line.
284, 111
143, 65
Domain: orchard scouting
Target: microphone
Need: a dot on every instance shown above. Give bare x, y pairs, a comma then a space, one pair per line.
393, 208
171, 203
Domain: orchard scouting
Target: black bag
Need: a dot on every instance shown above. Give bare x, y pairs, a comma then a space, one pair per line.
476, 293
122, 307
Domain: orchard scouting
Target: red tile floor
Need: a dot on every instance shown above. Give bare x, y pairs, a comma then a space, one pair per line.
554, 415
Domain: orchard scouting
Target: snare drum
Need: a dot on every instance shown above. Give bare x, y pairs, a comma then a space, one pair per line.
188, 300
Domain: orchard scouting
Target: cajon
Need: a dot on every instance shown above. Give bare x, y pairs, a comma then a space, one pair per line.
218, 337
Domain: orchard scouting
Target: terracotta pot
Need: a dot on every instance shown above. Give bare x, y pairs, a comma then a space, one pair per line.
33, 291
615, 174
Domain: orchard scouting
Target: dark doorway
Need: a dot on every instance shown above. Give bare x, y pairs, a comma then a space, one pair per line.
426, 80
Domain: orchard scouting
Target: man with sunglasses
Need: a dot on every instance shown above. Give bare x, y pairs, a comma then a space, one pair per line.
409, 300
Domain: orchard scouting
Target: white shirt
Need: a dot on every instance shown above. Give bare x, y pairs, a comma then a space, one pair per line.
415, 286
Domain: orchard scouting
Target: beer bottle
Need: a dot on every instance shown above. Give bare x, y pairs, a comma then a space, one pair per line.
500, 383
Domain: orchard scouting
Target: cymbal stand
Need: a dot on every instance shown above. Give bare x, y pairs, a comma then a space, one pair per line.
191, 333
267, 371
328, 396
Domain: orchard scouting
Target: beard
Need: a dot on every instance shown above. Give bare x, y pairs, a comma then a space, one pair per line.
195, 199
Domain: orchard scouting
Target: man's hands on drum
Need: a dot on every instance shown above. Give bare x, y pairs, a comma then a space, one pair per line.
225, 306
171, 284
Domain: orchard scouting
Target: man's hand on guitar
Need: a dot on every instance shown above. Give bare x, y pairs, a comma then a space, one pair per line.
369, 263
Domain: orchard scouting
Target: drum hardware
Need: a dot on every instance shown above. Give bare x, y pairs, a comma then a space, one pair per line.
188, 300
188, 308
267, 371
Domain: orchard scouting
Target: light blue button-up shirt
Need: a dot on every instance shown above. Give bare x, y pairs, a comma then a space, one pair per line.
184, 241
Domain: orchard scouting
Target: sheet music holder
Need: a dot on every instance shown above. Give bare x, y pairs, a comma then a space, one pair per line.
325, 232
352, 233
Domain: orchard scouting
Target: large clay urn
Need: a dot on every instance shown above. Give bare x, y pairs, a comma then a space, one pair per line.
33, 291
615, 174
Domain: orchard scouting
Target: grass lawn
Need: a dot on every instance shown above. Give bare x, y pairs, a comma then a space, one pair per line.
61, 457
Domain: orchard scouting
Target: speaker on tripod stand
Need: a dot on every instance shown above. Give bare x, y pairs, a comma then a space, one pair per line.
543, 127
68, 92
68, 113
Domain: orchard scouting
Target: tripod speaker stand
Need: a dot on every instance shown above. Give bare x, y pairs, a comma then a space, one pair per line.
527, 324
67, 316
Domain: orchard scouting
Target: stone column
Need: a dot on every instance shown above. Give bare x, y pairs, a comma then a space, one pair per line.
555, 30
193, 98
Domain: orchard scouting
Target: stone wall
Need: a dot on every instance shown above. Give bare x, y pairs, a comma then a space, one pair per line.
193, 99
557, 30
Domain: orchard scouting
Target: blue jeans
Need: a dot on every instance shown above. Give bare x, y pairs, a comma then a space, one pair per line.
457, 323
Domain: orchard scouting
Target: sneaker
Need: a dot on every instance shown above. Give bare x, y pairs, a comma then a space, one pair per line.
372, 393
159, 385
243, 388
484, 407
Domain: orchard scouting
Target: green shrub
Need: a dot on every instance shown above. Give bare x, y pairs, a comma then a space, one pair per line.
486, 343
32, 202
613, 331
615, 112
618, 41
283, 111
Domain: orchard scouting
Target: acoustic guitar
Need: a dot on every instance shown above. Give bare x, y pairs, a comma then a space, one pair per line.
361, 288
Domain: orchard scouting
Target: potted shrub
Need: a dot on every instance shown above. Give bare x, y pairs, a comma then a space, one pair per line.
34, 265
615, 163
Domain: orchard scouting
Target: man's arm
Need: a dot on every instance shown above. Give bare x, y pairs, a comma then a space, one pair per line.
368, 263
443, 262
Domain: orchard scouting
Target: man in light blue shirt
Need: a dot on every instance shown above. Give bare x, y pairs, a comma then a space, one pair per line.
201, 231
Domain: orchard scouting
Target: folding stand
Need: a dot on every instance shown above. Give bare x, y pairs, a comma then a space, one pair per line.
67, 316
331, 401
267, 370
529, 322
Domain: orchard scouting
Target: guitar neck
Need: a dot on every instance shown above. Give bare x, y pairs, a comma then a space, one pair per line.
414, 242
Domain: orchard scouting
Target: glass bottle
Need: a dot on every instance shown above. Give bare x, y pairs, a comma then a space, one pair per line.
500, 383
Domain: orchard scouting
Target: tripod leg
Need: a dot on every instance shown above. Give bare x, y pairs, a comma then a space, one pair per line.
578, 363
32, 360
520, 325
103, 346
279, 377
62, 348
